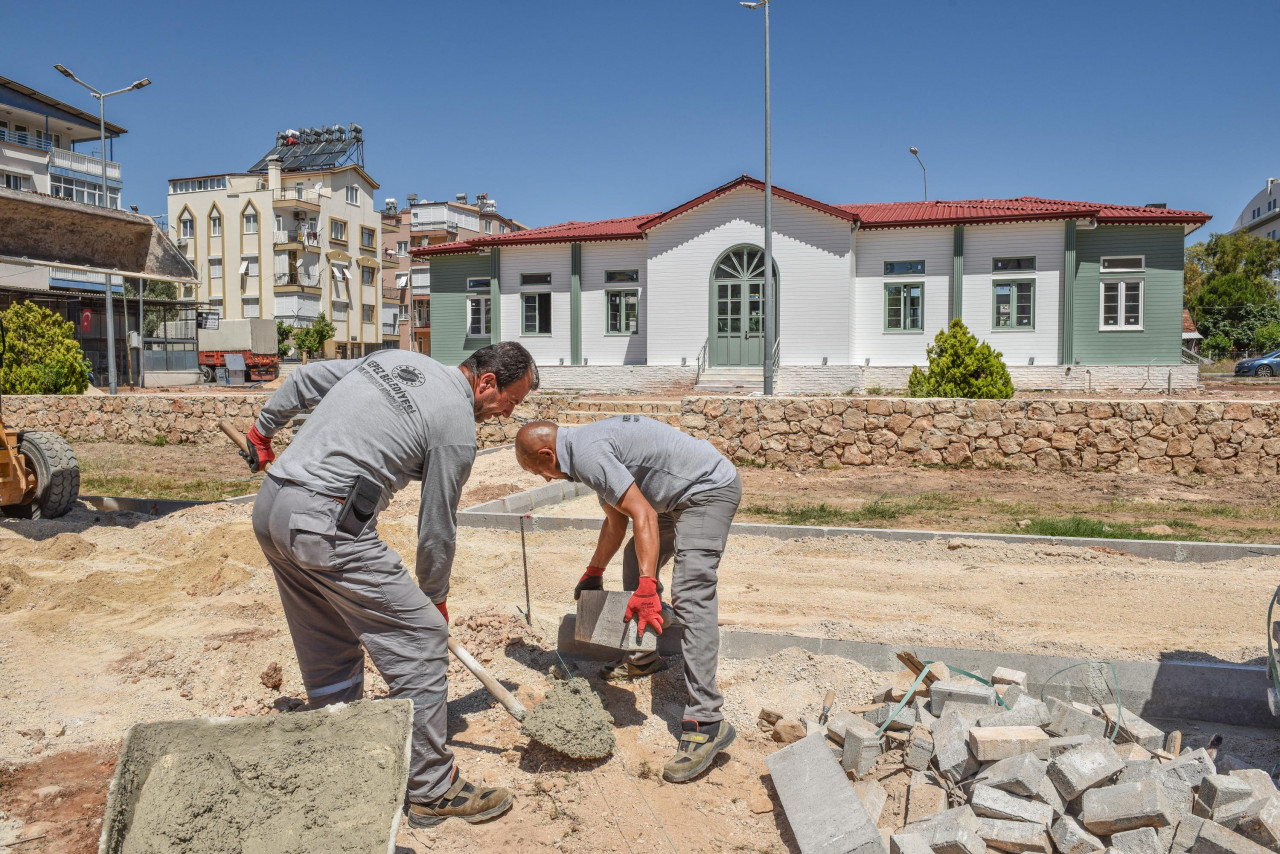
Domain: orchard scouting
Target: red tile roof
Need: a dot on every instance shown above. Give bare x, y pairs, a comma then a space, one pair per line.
869, 216
1188, 325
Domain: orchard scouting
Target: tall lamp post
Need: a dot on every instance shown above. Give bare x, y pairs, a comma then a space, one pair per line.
102, 129
915, 151
766, 303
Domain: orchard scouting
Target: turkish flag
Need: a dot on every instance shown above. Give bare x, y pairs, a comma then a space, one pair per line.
86, 316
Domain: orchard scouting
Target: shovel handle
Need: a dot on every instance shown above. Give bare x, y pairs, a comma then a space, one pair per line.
502, 695
238, 438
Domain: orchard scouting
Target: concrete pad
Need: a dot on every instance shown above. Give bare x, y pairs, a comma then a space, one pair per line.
822, 808
1114, 809
1015, 837
1144, 840
994, 803
991, 744
1070, 837
1081, 769
1018, 775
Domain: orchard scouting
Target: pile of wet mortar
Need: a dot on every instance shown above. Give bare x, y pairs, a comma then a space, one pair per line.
330, 780
572, 721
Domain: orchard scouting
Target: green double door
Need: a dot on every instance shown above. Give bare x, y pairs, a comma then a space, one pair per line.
737, 307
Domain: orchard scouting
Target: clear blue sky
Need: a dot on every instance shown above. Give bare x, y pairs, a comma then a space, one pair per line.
586, 109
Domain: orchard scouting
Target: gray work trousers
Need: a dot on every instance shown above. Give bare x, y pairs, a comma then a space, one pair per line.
341, 592
694, 534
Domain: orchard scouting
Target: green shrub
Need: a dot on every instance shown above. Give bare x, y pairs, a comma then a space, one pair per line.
1217, 346
311, 341
961, 366
1267, 338
41, 354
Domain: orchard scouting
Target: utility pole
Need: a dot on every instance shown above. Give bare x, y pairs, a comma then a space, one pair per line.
767, 298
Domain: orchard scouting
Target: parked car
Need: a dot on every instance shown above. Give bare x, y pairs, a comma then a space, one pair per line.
1260, 366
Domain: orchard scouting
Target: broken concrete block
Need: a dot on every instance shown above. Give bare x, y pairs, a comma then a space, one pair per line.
873, 797
1083, 768
1130, 751
953, 831
919, 750
1023, 712
904, 720
823, 810
994, 803
602, 620
1192, 767
908, 843
1260, 781
926, 796
861, 747
1069, 837
1047, 793
921, 707
1058, 745
1011, 694
957, 691
990, 744
1009, 676
1188, 830
1262, 825
1220, 790
1137, 770
1226, 763
1114, 809
1213, 838
1143, 840
1018, 775
1014, 836
951, 747
1134, 728
838, 722
1065, 719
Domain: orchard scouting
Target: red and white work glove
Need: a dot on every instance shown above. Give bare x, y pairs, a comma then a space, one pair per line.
645, 606
444, 611
260, 450
592, 579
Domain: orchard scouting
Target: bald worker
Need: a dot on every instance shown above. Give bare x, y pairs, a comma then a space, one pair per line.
680, 495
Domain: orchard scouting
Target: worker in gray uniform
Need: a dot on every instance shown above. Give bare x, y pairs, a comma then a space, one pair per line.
680, 495
377, 423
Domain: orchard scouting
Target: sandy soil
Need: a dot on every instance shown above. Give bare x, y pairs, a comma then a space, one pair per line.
108, 619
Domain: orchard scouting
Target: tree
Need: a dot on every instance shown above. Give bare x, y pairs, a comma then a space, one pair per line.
283, 334
1267, 338
1217, 346
41, 354
961, 366
311, 341
1239, 324
1230, 270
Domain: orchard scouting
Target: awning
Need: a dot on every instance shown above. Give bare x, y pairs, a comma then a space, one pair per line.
244, 268
339, 272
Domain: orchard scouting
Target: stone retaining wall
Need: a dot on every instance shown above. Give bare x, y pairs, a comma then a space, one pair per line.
1151, 436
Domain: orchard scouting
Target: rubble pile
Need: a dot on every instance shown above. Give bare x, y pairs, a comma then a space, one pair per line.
493, 632
987, 766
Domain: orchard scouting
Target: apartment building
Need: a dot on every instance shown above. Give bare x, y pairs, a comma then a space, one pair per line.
294, 236
395, 276
435, 223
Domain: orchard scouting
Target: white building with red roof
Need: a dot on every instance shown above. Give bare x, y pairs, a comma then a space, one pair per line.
1074, 294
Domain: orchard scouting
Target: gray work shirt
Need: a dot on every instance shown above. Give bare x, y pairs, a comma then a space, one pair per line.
393, 416
669, 467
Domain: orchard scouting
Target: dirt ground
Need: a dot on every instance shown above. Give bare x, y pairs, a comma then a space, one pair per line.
110, 619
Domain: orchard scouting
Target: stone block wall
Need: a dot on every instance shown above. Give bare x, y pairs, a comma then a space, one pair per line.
1212, 438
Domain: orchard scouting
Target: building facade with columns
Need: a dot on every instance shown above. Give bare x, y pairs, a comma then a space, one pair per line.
1073, 294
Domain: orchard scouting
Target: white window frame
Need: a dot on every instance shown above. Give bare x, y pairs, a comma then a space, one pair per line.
333, 226
339, 308
251, 307
244, 222
187, 227
215, 262
486, 320
215, 225
608, 318
353, 194
524, 331
402, 248
249, 265
1104, 271
1123, 282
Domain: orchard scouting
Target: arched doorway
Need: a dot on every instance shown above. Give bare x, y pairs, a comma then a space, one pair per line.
736, 337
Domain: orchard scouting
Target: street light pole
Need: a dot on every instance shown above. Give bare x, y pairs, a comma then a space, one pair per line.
105, 202
915, 151
766, 302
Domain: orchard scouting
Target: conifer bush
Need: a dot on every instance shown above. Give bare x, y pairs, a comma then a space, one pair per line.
41, 354
961, 366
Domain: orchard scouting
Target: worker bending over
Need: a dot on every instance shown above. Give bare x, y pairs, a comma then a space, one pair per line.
681, 495
378, 423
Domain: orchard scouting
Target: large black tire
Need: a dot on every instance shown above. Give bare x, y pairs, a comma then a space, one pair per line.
208, 374
57, 473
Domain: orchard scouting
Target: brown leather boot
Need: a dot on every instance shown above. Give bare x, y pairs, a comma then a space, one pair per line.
462, 800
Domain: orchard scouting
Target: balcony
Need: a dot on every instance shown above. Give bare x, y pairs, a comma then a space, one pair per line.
392, 328
437, 225
298, 279
309, 239
391, 293
420, 322
28, 139
78, 162
299, 197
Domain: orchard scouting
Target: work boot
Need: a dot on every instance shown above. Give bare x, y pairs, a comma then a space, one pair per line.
462, 800
626, 670
699, 746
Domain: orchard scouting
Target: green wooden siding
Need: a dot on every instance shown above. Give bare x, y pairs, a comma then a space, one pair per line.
1160, 341
449, 274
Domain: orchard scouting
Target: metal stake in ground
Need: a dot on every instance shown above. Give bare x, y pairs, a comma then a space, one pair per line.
524, 556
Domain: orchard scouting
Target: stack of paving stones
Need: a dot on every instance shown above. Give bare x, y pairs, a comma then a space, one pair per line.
1019, 776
